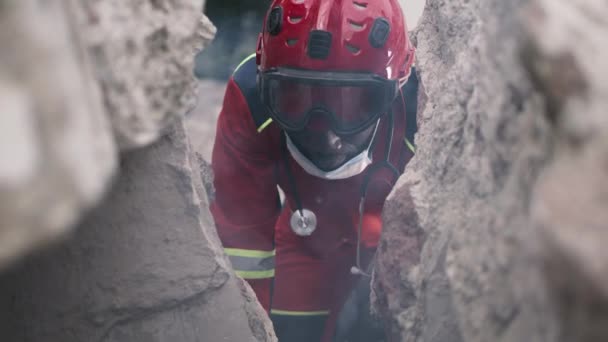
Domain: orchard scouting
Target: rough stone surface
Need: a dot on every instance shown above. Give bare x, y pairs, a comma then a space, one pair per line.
509, 181
206, 176
143, 56
112, 73
57, 153
145, 266
398, 255
570, 200
482, 142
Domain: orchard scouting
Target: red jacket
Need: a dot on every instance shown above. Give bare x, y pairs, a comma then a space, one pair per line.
249, 163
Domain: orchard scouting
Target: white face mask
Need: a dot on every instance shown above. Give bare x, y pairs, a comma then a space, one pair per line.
351, 168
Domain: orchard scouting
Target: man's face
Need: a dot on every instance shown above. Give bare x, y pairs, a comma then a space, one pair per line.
327, 150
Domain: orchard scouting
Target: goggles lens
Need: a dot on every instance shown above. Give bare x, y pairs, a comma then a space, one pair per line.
350, 105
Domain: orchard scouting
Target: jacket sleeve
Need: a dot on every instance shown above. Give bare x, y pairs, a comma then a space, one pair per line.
246, 204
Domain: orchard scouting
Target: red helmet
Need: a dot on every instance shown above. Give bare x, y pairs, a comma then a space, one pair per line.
346, 58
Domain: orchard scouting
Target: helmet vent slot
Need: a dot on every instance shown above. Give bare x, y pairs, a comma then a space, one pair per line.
319, 44
291, 42
360, 5
355, 25
294, 19
379, 33
353, 49
275, 21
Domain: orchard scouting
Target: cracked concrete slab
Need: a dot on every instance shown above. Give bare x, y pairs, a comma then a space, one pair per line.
145, 266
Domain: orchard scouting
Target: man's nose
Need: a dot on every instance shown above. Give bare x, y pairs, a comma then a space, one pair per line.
334, 141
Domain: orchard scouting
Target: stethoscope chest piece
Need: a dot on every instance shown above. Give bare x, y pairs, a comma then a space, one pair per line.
303, 222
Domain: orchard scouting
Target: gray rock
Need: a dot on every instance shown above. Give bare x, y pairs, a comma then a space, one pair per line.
482, 142
569, 203
57, 151
394, 296
206, 176
143, 56
112, 75
145, 266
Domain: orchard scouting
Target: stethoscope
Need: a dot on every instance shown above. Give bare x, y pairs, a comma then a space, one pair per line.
303, 221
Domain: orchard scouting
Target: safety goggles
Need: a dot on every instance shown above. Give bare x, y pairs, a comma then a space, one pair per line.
350, 102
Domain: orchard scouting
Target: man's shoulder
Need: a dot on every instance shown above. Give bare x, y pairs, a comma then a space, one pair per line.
245, 77
245, 73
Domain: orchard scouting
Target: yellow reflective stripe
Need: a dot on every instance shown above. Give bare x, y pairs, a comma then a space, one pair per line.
255, 274
264, 125
299, 313
409, 145
254, 256
243, 62
248, 253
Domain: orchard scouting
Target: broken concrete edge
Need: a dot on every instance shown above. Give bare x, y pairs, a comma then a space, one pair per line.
223, 278
259, 321
396, 266
131, 136
146, 70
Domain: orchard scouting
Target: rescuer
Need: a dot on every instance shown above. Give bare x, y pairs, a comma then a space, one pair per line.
325, 110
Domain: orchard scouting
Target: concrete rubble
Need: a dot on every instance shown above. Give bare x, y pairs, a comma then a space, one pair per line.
508, 185
113, 75
146, 265
93, 143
